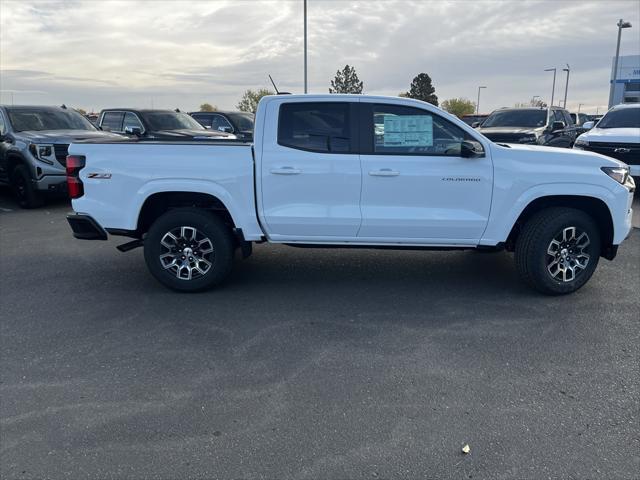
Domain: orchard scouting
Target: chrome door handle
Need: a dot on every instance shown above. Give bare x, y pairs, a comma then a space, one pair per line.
384, 172
286, 171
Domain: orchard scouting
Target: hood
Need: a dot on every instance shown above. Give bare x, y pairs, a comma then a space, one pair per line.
65, 136
556, 159
612, 135
187, 134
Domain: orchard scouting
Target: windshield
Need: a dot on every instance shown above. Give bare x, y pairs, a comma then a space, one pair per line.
171, 121
243, 121
621, 118
24, 120
516, 118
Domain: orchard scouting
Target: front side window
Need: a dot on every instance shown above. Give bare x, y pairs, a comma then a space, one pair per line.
131, 120
316, 127
219, 121
621, 118
244, 121
408, 130
24, 119
112, 121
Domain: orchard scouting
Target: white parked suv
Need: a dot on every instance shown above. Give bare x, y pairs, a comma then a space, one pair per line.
352, 171
616, 135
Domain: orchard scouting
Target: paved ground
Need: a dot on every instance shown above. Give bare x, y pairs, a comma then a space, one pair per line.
310, 364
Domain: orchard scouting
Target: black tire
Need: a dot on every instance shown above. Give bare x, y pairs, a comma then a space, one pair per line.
173, 272
538, 259
23, 188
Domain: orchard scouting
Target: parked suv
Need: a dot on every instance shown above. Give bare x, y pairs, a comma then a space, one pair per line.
616, 135
552, 127
33, 149
157, 125
238, 123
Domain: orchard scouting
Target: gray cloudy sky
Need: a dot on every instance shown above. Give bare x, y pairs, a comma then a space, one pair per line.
94, 54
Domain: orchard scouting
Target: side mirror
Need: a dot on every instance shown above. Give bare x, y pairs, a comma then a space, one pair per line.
137, 131
225, 129
588, 125
470, 149
208, 127
475, 124
556, 126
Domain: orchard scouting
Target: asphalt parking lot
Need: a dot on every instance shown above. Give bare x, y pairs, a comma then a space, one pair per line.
310, 364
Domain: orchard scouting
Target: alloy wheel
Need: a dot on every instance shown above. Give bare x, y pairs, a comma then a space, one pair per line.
186, 253
567, 254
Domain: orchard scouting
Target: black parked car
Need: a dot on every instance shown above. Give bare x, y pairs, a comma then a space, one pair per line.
536, 126
156, 125
238, 123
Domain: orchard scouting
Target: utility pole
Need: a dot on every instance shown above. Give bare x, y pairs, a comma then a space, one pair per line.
621, 24
580, 106
478, 102
305, 46
553, 89
566, 87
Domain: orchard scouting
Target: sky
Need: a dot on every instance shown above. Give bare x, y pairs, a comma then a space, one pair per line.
95, 54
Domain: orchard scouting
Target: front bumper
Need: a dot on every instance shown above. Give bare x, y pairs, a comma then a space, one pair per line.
85, 227
52, 184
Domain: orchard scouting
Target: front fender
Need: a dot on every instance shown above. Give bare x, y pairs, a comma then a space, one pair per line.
505, 213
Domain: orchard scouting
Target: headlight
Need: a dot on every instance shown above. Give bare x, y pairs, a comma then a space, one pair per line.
581, 144
44, 153
619, 174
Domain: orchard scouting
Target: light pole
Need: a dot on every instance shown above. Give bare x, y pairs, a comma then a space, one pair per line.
553, 89
305, 46
566, 87
580, 106
621, 24
478, 102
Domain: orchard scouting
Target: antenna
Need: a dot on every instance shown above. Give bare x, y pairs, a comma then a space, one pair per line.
274, 84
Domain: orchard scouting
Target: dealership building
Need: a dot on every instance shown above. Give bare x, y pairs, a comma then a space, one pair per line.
627, 86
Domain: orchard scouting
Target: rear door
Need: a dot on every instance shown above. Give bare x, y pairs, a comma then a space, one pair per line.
311, 176
416, 186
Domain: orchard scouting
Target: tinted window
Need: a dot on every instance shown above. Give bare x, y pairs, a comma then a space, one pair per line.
516, 118
318, 127
218, 121
244, 121
621, 118
3, 129
171, 121
557, 116
407, 130
112, 121
24, 119
204, 120
131, 120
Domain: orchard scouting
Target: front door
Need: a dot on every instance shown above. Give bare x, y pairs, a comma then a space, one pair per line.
416, 186
311, 177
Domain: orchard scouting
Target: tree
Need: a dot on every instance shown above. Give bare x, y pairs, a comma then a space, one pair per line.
422, 89
207, 107
346, 81
250, 99
459, 106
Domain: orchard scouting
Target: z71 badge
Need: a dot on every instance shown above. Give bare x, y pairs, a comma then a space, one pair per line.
104, 176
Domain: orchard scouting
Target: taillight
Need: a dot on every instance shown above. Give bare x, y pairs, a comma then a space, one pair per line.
75, 163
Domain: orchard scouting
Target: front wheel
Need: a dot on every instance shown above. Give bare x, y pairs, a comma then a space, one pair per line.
23, 188
558, 250
189, 250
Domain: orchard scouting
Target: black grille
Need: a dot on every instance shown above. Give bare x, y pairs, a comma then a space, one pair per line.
61, 150
628, 153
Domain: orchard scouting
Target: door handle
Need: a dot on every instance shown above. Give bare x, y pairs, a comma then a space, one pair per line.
286, 171
384, 172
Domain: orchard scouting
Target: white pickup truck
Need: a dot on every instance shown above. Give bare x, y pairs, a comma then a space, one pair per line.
352, 171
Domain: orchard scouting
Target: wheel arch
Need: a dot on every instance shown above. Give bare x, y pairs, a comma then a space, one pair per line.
592, 206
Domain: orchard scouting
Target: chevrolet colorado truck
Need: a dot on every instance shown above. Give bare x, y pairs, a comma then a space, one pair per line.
352, 171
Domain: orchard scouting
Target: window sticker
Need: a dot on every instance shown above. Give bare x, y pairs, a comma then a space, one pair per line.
408, 131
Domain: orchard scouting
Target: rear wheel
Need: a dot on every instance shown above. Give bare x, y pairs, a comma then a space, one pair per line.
558, 250
23, 188
189, 250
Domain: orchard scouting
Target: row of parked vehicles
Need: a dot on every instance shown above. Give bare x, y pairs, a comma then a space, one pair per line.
34, 140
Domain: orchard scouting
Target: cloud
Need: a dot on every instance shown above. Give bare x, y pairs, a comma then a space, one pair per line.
97, 54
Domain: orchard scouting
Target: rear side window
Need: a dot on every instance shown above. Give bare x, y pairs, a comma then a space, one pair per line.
112, 121
315, 127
